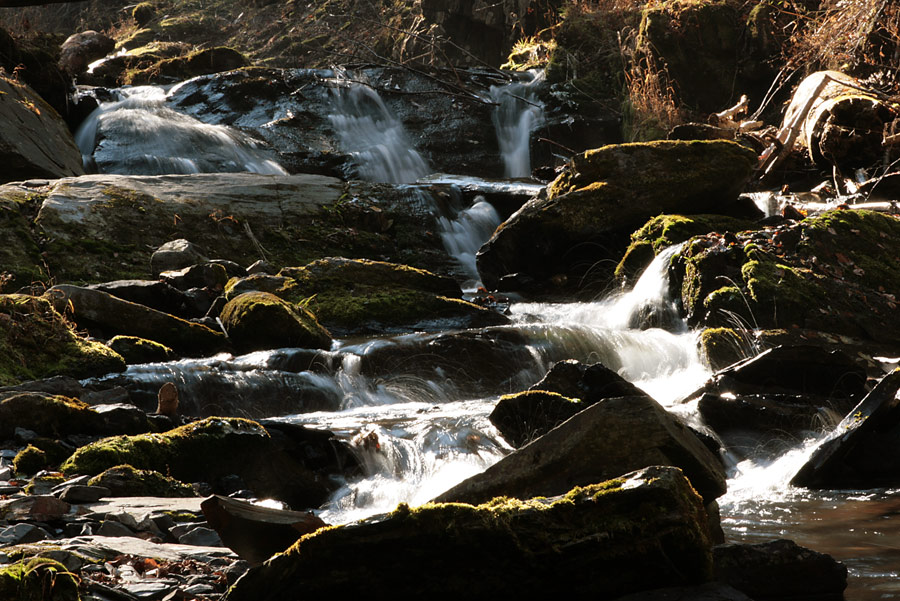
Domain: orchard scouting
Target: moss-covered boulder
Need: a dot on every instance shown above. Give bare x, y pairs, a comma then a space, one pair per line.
663, 231
38, 579
260, 320
524, 416
721, 347
50, 415
20, 260
641, 531
206, 451
126, 481
106, 314
363, 296
837, 272
30, 460
197, 62
140, 350
573, 238
36, 342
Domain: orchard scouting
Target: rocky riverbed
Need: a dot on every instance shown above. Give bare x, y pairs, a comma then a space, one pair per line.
240, 303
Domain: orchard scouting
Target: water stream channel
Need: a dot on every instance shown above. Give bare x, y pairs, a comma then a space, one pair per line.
429, 421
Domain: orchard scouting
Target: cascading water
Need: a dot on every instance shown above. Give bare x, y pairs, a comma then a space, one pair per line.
139, 135
372, 135
517, 114
464, 235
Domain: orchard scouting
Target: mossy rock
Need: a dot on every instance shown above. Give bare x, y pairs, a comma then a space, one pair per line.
38, 579
140, 350
355, 296
30, 460
205, 451
20, 261
642, 531
126, 481
143, 13
260, 320
50, 415
36, 342
178, 68
663, 231
721, 347
524, 416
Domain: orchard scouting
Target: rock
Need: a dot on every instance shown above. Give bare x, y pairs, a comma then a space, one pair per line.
175, 255
36, 342
93, 308
38, 578
30, 460
259, 320
204, 275
201, 536
255, 532
711, 591
601, 198
355, 296
588, 382
832, 273
858, 452
38, 508
595, 541
77, 494
524, 416
54, 385
140, 350
81, 49
155, 294
126, 481
780, 569
114, 528
198, 62
22, 534
610, 437
217, 447
48, 415
34, 140
762, 414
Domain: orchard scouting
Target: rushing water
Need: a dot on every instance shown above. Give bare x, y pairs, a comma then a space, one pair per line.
517, 114
138, 134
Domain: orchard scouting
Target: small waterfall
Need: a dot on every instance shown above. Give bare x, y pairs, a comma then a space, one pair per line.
372, 135
464, 235
139, 135
648, 303
518, 113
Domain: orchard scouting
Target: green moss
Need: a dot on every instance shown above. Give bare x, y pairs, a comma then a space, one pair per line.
188, 452
30, 460
720, 347
140, 350
126, 481
143, 13
43, 483
38, 579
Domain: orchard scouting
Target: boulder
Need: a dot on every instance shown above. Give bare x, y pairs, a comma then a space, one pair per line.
175, 255
127, 481
563, 241
38, 578
48, 415
610, 437
36, 342
259, 320
140, 350
780, 570
216, 447
836, 272
202, 61
640, 531
99, 311
34, 141
859, 452
81, 49
155, 294
358, 296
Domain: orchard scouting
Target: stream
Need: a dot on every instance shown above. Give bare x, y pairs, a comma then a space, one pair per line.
422, 427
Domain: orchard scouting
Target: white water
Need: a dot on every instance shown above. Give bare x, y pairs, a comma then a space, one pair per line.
138, 134
464, 235
518, 114
372, 135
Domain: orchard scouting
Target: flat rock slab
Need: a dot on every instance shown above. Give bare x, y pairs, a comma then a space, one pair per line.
141, 507
109, 547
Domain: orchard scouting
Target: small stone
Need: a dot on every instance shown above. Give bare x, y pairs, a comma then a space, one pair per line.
201, 537
261, 267
84, 494
175, 255
35, 507
113, 528
24, 435
21, 534
149, 591
199, 589
5, 473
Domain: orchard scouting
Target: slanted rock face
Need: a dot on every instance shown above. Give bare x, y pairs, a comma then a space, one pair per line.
609, 437
81, 49
641, 531
259, 320
566, 240
34, 140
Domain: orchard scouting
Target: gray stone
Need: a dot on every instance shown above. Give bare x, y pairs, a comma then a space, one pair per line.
199, 589
205, 537
24, 435
84, 494
175, 255
114, 528
150, 590
20, 534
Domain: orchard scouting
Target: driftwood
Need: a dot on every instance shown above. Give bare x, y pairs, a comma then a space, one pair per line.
11, 3
840, 123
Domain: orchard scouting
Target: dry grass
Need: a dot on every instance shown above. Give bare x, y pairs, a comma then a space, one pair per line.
651, 109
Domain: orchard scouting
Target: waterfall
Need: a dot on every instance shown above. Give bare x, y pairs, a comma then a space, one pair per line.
464, 235
375, 139
139, 135
517, 114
